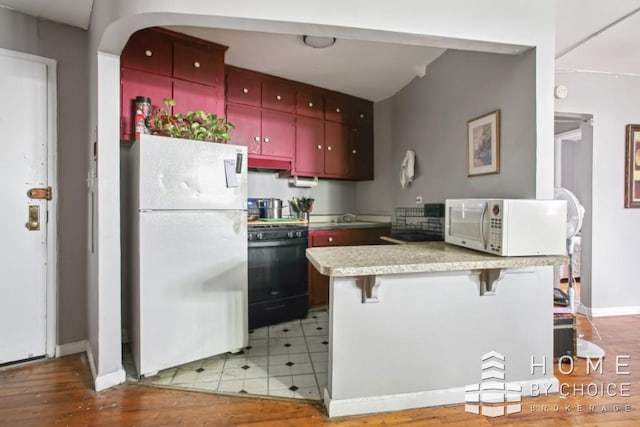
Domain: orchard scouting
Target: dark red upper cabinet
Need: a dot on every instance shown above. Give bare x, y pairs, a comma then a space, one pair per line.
361, 153
200, 64
247, 127
243, 87
136, 83
278, 95
336, 150
194, 96
148, 50
309, 102
309, 158
278, 134
336, 108
361, 112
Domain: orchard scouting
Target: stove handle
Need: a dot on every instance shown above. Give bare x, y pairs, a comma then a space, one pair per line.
278, 243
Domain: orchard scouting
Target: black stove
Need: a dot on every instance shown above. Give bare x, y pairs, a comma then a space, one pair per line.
278, 289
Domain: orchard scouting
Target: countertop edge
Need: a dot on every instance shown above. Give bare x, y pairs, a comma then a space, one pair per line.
383, 265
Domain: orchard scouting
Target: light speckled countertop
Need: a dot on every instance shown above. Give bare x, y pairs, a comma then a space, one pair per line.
342, 261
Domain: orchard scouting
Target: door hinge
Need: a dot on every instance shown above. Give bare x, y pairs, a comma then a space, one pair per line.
40, 193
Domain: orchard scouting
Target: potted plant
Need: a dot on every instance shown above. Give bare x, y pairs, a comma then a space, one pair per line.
196, 125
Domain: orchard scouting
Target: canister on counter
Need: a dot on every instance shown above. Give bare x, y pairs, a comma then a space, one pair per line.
143, 113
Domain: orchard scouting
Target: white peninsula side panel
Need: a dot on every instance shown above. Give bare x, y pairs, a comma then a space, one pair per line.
422, 342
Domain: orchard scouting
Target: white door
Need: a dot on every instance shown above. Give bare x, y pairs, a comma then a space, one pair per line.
24, 131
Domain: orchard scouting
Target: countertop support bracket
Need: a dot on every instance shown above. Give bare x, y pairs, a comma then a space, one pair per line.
369, 285
488, 280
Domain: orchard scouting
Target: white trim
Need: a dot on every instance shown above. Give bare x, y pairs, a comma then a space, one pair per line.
106, 381
52, 206
613, 311
422, 399
72, 348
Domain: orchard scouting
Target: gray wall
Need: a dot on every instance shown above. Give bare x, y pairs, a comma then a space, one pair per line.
68, 46
612, 100
331, 196
430, 116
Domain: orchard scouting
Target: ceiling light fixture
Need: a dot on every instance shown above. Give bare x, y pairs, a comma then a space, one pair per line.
318, 42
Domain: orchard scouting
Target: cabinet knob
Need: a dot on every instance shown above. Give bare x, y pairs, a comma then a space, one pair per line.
361, 116
278, 97
148, 53
328, 148
196, 64
266, 139
310, 105
330, 239
245, 90
256, 138
319, 147
337, 110
354, 151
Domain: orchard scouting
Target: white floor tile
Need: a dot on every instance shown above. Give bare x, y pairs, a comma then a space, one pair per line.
185, 377
280, 382
301, 368
256, 372
284, 392
313, 329
323, 380
209, 385
214, 364
231, 386
208, 375
311, 393
307, 380
320, 356
259, 333
256, 386
232, 374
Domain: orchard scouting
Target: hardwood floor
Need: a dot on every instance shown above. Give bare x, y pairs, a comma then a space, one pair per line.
59, 392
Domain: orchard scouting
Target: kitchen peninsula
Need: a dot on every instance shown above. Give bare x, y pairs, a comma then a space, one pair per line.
409, 324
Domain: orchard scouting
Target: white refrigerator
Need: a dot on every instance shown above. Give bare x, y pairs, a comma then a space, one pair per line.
188, 235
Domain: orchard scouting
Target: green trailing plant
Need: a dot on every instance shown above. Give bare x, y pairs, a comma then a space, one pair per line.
196, 125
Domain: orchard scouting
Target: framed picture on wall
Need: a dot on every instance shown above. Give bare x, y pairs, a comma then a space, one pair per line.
483, 138
632, 168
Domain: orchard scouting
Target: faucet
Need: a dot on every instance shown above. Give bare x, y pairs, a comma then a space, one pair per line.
347, 218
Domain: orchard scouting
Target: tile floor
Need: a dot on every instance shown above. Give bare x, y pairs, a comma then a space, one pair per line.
284, 360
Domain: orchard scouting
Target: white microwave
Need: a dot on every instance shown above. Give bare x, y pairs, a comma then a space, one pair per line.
507, 227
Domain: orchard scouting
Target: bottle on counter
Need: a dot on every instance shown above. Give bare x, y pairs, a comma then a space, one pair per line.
142, 116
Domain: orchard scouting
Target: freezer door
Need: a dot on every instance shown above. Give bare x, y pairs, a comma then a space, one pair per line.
178, 173
191, 292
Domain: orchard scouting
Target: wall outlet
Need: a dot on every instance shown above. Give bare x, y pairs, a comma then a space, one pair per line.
418, 200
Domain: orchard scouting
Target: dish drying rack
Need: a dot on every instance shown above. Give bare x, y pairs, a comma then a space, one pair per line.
420, 222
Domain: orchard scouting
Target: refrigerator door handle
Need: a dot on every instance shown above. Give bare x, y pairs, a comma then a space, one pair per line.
238, 162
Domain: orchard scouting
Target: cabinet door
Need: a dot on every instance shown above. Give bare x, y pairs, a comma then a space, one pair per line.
309, 157
246, 131
243, 87
193, 96
318, 288
336, 107
361, 113
309, 102
278, 95
278, 134
138, 83
361, 153
198, 64
336, 154
148, 50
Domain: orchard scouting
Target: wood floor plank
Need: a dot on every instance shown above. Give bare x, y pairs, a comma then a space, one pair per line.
59, 392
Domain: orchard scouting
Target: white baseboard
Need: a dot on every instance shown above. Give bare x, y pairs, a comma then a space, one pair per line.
423, 399
612, 311
71, 348
103, 382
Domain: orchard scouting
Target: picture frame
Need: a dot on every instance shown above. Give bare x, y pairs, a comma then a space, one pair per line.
483, 140
632, 167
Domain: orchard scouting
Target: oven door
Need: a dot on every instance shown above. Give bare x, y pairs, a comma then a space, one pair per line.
277, 269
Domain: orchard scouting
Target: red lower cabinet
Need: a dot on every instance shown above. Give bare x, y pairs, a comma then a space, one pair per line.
319, 283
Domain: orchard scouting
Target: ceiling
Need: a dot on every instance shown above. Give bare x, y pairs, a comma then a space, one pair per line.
592, 35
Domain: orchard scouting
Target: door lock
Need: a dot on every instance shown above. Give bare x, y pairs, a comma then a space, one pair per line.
40, 193
34, 218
